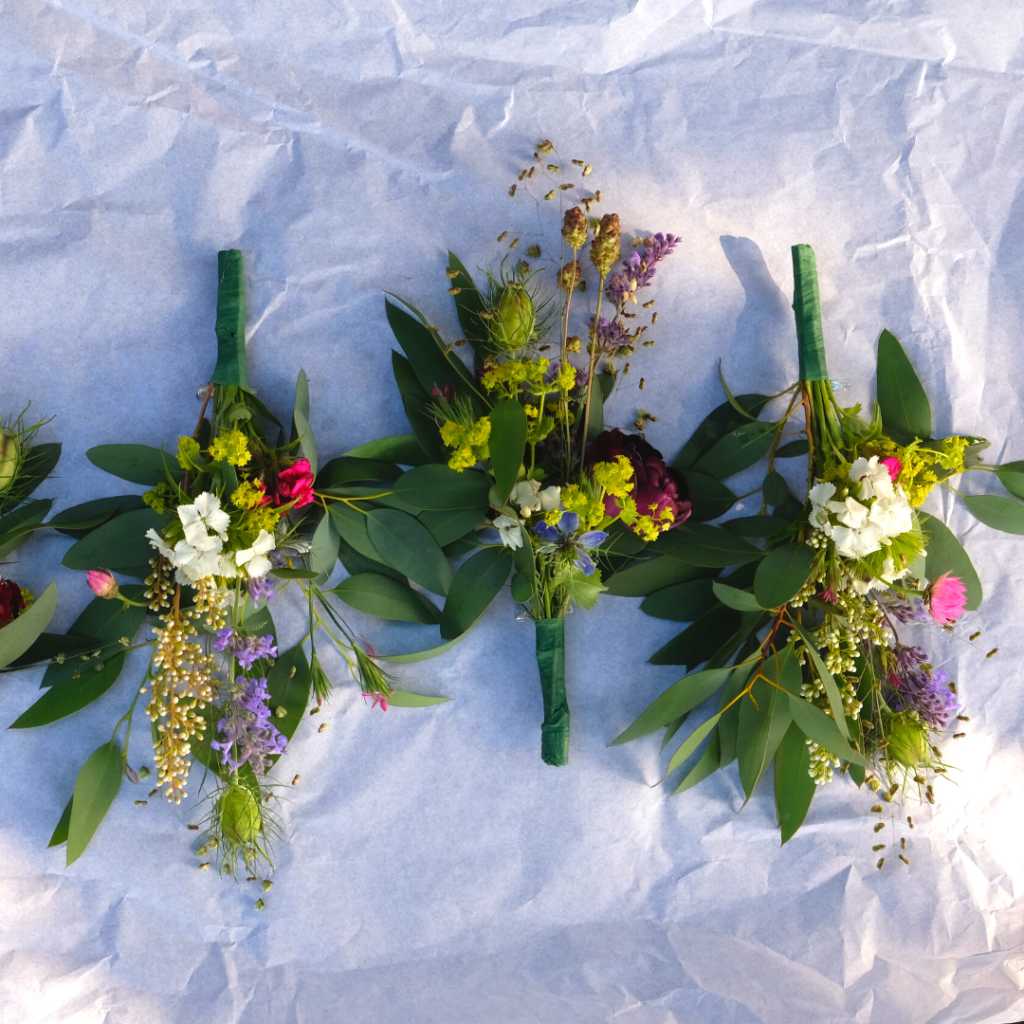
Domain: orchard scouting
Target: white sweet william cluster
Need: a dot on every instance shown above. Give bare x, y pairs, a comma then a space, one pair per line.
201, 553
861, 525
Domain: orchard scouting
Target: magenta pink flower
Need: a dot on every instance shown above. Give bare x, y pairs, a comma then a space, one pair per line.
378, 698
102, 583
894, 466
294, 484
946, 597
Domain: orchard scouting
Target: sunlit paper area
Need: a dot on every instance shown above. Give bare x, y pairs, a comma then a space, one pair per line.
435, 870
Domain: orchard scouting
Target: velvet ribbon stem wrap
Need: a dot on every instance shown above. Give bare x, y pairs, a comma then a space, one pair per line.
554, 733
230, 328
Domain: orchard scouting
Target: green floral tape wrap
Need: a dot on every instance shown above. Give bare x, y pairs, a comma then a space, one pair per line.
554, 733
807, 307
230, 327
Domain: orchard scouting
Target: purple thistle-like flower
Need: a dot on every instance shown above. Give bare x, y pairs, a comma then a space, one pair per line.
259, 589
925, 690
246, 727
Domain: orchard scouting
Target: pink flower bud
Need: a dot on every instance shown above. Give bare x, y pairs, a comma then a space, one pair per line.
894, 466
102, 583
946, 597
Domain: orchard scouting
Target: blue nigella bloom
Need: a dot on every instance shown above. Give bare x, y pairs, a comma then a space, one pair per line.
563, 538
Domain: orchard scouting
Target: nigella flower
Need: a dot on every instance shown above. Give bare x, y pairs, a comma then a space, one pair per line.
919, 687
249, 735
261, 589
563, 538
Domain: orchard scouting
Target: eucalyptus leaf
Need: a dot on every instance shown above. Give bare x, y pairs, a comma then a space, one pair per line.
835, 699
300, 406
756, 526
95, 788
716, 425
699, 641
681, 602
416, 656
416, 401
347, 469
902, 399
351, 525
764, 718
793, 449
738, 450
65, 699
407, 545
706, 765
794, 786
404, 699
403, 449
323, 551
691, 743
19, 635
117, 544
60, 833
709, 498
288, 687
448, 525
816, 725
681, 697
356, 563
1005, 514
81, 518
436, 487
738, 599
387, 598
700, 544
507, 444
469, 304
136, 462
775, 490
782, 574
476, 584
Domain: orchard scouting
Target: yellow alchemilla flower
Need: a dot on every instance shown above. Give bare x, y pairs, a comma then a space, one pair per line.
918, 473
159, 498
647, 528
247, 496
28, 597
478, 434
451, 433
188, 451
615, 477
261, 518
589, 509
554, 517
566, 379
531, 411
232, 448
462, 459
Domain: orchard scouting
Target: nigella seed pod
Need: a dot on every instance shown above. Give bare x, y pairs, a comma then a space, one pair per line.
574, 228
10, 453
239, 814
604, 249
908, 742
512, 324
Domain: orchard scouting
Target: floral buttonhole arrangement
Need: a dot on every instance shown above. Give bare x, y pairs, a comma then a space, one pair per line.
23, 467
227, 522
802, 648
511, 455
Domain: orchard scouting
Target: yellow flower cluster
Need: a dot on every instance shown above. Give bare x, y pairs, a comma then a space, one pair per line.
188, 452
232, 448
590, 508
470, 443
919, 473
651, 527
515, 372
247, 496
159, 498
263, 517
615, 477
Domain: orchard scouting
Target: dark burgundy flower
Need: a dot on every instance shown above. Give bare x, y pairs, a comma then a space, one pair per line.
656, 486
292, 484
11, 601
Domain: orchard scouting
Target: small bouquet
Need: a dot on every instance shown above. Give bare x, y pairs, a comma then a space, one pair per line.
803, 642
227, 522
516, 447
23, 467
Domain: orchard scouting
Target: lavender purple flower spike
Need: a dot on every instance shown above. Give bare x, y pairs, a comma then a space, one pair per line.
638, 268
247, 728
924, 690
246, 649
260, 588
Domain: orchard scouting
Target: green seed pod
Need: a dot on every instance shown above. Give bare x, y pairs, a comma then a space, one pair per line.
512, 324
239, 815
10, 454
908, 741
